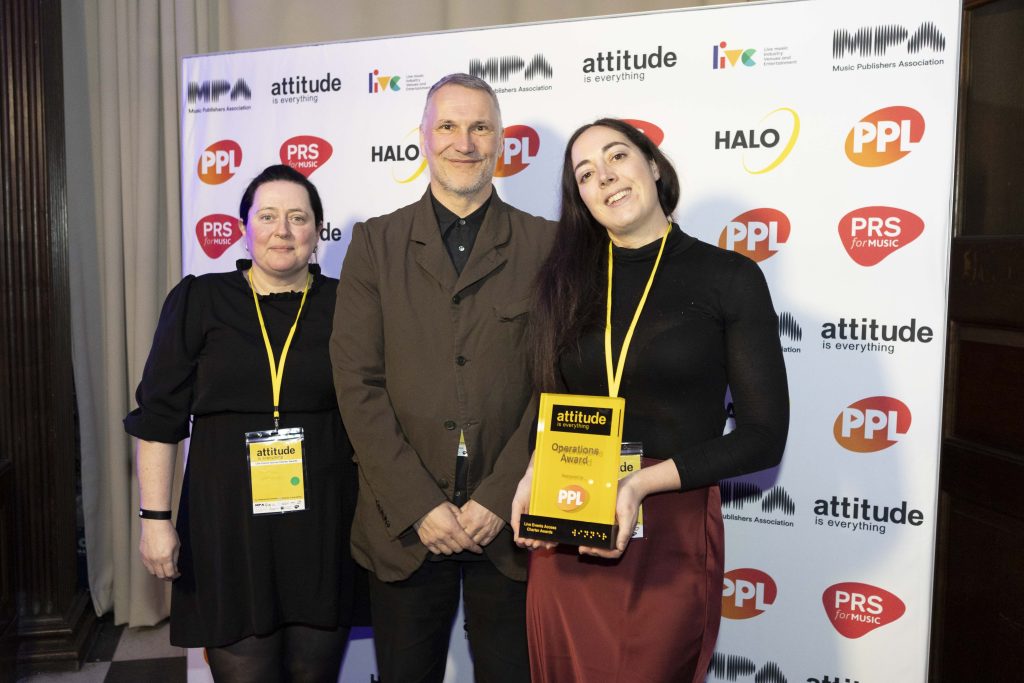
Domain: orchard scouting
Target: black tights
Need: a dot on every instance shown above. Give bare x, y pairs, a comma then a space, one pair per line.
300, 654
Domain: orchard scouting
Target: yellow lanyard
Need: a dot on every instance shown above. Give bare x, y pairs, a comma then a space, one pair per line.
615, 376
277, 369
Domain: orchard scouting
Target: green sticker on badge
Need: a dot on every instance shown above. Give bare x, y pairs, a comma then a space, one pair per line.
295, 481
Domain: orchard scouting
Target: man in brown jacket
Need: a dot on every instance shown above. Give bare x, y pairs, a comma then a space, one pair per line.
429, 366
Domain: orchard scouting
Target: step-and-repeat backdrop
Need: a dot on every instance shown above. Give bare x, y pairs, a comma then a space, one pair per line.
815, 137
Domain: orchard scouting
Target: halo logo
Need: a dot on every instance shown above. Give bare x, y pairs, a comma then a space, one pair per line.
379, 84
747, 593
216, 233
871, 233
722, 58
305, 153
653, 132
884, 136
521, 146
778, 127
856, 609
219, 162
405, 159
872, 424
571, 498
757, 233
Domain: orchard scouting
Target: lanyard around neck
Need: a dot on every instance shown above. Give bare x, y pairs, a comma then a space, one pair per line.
615, 376
277, 368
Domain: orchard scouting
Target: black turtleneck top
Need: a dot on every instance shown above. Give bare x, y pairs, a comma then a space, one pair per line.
708, 324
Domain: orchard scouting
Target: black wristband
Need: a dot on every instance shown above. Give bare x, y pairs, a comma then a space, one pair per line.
154, 514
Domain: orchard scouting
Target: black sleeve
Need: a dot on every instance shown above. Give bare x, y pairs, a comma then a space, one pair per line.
164, 395
757, 379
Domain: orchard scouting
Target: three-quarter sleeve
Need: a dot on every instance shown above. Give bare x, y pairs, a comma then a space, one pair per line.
164, 395
756, 374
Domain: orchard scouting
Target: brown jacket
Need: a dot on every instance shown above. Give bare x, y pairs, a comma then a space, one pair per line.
420, 353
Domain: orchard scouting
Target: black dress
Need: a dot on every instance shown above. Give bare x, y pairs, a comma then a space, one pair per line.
241, 574
653, 615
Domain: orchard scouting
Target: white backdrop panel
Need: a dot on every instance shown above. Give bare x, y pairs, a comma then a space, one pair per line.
755, 104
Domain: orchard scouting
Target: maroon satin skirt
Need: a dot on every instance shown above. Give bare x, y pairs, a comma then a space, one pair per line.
650, 616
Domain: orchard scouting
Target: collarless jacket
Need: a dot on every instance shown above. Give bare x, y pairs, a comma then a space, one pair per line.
422, 354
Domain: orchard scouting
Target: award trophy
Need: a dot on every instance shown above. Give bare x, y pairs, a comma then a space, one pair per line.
575, 470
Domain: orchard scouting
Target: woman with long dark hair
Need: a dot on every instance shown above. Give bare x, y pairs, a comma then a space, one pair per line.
690, 320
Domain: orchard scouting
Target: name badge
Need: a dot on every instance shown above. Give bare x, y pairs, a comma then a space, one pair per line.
277, 473
630, 461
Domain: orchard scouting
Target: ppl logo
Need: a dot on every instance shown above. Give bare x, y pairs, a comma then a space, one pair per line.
747, 593
856, 609
305, 153
871, 233
571, 498
757, 233
653, 132
884, 136
216, 233
380, 84
872, 424
219, 162
521, 146
766, 146
722, 58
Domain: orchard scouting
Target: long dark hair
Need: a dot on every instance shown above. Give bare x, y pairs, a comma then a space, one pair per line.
570, 293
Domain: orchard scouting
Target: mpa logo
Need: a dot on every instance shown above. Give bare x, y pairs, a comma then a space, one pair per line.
381, 84
729, 667
757, 233
872, 424
721, 58
768, 145
871, 233
884, 136
405, 159
747, 593
212, 91
653, 132
305, 153
736, 495
571, 498
789, 327
856, 609
875, 41
216, 233
521, 146
219, 162
502, 69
